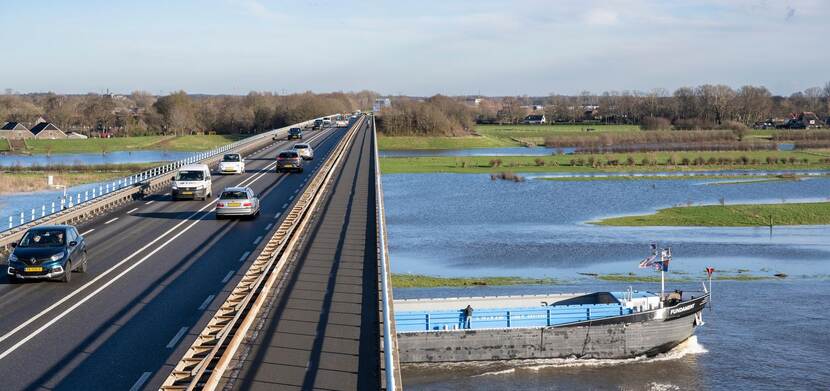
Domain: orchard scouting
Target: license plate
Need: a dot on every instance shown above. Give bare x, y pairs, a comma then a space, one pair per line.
232, 204
187, 192
289, 165
34, 269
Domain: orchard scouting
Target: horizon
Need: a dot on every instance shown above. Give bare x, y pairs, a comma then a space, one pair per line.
232, 47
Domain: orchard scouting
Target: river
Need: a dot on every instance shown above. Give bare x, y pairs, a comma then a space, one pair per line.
759, 335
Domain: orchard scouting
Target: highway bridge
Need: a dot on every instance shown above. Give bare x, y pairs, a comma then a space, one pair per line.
174, 299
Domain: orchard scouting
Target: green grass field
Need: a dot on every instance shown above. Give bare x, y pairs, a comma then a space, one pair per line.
494, 136
817, 213
100, 145
4, 145
421, 281
562, 163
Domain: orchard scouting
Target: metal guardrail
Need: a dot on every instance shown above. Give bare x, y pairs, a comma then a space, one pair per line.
206, 359
82, 205
389, 336
543, 316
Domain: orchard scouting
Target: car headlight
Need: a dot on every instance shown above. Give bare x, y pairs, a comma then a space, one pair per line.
57, 256
12, 258
175, 187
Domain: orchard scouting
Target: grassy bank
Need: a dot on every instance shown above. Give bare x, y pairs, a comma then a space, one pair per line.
101, 145
4, 145
29, 180
738, 179
615, 162
490, 136
817, 213
422, 281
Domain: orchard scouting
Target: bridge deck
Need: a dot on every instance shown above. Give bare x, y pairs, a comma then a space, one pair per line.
321, 328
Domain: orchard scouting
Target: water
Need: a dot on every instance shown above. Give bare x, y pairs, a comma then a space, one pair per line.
120, 157
760, 335
507, 151
466, 224
767, 335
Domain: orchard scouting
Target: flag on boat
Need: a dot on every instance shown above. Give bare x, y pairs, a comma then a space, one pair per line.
709, 271
652, 261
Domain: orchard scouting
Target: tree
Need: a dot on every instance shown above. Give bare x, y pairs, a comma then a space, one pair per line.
178, 112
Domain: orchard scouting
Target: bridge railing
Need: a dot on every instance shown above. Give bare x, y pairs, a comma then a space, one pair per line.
391, 370
411, 321
117, 190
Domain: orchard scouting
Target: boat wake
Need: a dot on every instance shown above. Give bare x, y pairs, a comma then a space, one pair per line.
689, 347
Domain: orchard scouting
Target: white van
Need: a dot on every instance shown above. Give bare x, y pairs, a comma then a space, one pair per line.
192, 181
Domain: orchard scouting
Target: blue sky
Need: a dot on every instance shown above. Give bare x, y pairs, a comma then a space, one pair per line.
417, 48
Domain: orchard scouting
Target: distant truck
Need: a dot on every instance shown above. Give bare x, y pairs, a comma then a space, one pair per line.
318, 124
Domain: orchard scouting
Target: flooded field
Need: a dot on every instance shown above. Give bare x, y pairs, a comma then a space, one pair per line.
468, 225
759, 335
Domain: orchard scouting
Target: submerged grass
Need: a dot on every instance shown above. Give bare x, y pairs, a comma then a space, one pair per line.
422, 281
640, 162
815, 213
21, 179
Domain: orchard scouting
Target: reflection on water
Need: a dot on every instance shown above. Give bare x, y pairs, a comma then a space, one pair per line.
119, 157
466, 224
764, 335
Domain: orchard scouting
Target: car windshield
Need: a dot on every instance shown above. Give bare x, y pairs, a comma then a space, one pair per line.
300, 146
288, 155
231, 158
190, 176
294, 130
234, 195
43, 238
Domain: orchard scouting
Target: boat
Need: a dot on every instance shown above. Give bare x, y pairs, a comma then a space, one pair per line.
597, 325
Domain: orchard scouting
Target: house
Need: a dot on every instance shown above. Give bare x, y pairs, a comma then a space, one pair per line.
534, 119
380, 104
15, 131
48, 131
75, 135
809, 120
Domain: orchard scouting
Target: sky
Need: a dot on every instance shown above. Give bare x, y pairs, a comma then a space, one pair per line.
425, 47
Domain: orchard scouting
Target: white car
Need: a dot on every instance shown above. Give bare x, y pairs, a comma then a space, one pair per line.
192, 181
304, 150
232, 163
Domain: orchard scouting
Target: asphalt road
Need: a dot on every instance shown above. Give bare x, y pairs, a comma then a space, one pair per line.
158, 269
321, 330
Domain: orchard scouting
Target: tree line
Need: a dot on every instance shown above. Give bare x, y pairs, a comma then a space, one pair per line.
141, 113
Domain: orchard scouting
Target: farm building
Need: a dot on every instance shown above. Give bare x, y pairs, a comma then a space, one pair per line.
47, 130
15, 131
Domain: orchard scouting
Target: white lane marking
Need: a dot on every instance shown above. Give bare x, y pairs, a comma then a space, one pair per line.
290, 198
132, 210
284, 205
80, 302
141, 380
228, 276
148, 203
87, 232
244, 256
276, 216
111, 220
267, 227
206, 302
177, 337
258, 238
296, 190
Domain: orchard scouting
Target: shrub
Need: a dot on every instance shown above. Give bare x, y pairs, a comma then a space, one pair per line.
629, 161
655, 123
685, 161
495, 162
539, 161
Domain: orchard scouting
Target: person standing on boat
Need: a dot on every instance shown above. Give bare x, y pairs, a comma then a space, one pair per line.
468, 316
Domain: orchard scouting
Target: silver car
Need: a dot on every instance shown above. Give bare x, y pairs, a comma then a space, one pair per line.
305, 151
237, 201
